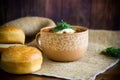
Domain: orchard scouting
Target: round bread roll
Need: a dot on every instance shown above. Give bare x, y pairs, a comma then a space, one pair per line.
11, 34
21, 59
31, 25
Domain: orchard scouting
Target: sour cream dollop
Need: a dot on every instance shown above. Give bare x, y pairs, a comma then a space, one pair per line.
68, 31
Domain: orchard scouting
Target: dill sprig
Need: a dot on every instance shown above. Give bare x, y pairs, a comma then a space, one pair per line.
111, 51
60, 26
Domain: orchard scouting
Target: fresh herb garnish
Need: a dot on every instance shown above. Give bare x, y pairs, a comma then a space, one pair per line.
111, 51
60, 26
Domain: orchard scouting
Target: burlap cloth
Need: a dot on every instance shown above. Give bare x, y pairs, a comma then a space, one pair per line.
91, 64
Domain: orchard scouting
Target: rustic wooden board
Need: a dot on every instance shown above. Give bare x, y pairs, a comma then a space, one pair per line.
104, 14
96, 14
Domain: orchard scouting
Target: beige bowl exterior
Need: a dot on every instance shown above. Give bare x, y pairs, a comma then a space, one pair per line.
64, 47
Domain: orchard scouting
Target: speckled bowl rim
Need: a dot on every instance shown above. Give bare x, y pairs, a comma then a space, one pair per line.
85, 29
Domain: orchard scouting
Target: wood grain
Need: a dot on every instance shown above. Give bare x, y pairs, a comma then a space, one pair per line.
76, 11
53, 9
104, 14
32, 8
12, 9
2, 12
95, 14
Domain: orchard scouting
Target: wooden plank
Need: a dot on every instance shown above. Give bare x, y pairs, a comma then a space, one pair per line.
76, 12
103, 14
32, 8
53, 10
96, 14
12, 9
116, 18
2, 10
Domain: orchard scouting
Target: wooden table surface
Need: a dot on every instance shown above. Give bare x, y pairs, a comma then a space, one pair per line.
111, 74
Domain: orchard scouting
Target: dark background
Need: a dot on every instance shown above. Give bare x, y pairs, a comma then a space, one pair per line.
95, 14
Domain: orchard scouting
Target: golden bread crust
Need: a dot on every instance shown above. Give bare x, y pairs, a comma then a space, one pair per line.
21, 54
11, 34
21, 59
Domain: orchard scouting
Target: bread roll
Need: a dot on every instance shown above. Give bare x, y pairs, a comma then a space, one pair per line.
21, 59
31, 25
11, 34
